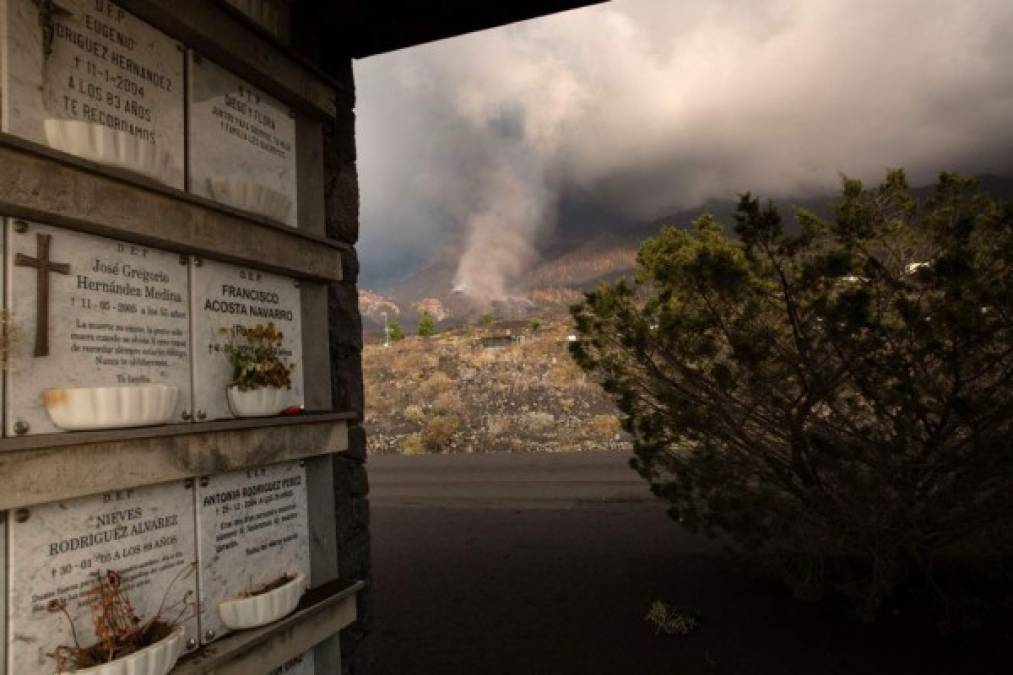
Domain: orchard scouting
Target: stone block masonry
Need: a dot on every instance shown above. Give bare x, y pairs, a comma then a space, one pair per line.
351, 486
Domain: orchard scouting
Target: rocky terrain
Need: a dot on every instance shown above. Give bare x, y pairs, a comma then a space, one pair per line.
505, 387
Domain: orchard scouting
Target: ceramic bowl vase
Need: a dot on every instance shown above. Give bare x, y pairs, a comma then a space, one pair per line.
262, 609
87, 408
103, 145
260, 402
251, 196
156, 659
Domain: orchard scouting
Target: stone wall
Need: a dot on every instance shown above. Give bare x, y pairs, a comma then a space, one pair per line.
351, 485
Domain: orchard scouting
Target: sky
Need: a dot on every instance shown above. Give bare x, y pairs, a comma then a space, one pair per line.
483, 146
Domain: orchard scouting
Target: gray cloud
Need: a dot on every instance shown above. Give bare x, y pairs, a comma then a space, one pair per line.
644, 107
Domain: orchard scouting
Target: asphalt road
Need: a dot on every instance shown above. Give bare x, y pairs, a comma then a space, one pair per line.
547, 564
503, 480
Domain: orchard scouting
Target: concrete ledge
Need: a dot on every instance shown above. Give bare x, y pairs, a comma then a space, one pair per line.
89, 463
212, 30
259, 651
39, 184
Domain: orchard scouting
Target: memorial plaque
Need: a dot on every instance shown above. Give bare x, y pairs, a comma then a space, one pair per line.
252, 530
91, 312
225, 296
242, 144
146, 535
300, 665
88, 78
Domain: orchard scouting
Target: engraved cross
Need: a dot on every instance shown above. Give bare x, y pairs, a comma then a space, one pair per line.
44, 267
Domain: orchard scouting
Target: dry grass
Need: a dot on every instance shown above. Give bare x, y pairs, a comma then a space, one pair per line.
448, 402
447, 394
431, 388
606, 426
414, 413
537, 422
439, 430
412, 444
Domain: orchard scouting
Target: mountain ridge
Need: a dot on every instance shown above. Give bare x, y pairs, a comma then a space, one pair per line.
569, 265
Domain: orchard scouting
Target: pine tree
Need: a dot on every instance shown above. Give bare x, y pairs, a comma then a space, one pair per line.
396, 332
426, 326
842, 393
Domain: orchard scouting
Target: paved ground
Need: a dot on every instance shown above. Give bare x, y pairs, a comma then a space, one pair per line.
532, 564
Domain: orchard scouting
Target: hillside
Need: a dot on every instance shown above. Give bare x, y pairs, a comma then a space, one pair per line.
456, 393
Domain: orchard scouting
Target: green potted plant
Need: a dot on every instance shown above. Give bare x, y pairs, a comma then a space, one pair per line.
261, 379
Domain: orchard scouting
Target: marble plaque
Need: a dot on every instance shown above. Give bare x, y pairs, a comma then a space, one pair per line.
144, 534
92, 80
252, 529
88, 312
300, 665
3, 590
224, 296
242, 144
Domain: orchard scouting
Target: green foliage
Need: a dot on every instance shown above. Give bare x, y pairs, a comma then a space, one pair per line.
844, 393
395, 330
427, 328
255, 357
486, 320
535, 323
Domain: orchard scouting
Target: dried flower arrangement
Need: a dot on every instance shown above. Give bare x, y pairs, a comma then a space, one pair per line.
255, 356
119, 630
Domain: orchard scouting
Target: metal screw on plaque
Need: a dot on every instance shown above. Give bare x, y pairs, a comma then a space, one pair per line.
302, 462
209, 634
187, 415
202, 414
21, 427
191, 644
197, 262
183, 260
20, 226
188, 484
204, 480
21, 516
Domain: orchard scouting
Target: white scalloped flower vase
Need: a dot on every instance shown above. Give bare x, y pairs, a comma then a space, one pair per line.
107, 146
88, 408
261, 402
157, 659
251, 196
260, 610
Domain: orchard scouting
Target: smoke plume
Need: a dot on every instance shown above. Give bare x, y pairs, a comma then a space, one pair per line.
643, 107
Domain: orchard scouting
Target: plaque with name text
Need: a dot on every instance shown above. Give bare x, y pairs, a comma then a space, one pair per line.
88, 78
242, 144
145, 535
252, 530
225, 296
88, 312
300, 665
